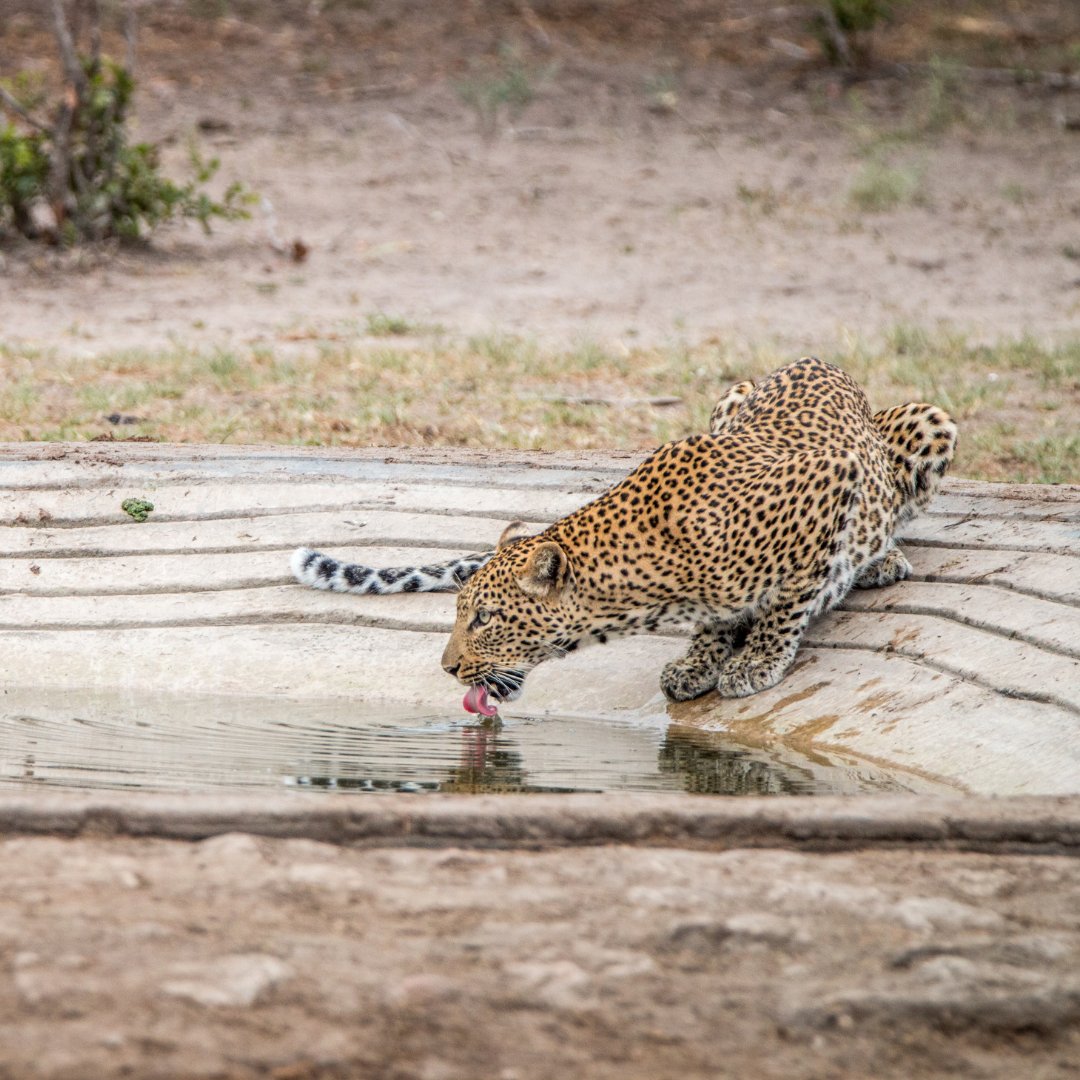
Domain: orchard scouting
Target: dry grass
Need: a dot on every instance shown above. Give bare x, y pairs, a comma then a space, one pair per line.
1018, 402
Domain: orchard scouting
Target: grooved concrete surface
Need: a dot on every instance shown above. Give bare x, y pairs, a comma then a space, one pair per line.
967, 676
513, 937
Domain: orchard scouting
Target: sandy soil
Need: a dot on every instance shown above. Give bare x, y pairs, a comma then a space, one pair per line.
243, 957
588, 215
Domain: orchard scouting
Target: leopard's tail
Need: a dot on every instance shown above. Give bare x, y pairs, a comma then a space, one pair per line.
922, 441
324, 572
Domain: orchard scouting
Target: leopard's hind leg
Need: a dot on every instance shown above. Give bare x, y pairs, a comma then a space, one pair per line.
921, 441
728, 406
820, 576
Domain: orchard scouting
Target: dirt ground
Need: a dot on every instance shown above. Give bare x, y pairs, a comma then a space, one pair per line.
675, 176
241, 957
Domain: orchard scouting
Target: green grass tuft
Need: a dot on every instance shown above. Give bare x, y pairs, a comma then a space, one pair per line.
879, 187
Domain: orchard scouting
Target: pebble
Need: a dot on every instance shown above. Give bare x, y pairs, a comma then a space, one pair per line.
562, 984
239, 980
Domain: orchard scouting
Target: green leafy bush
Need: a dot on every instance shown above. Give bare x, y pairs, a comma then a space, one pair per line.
24, 170
90, 180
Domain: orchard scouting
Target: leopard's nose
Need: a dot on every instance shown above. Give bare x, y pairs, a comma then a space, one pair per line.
451, 659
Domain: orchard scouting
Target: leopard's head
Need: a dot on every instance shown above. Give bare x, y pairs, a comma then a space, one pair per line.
514, 613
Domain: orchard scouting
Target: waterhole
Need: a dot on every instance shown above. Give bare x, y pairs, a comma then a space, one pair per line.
156, 743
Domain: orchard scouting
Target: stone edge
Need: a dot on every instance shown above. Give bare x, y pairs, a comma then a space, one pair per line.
1024, 825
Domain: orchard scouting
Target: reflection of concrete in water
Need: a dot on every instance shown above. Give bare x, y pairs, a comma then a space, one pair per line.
725, 770
199, 743
714, 764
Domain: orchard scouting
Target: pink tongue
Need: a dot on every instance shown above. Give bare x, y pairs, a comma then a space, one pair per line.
476, 701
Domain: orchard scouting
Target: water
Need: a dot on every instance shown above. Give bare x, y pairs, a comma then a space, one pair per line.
155, 743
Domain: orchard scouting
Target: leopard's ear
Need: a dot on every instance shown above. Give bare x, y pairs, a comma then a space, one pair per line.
516, 530
546, 573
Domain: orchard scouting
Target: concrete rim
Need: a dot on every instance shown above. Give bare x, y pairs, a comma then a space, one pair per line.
1025, 825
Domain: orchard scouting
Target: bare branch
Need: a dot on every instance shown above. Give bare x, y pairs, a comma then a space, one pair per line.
94, 15
536, 27
131, 31
12, 104
837, 37
72, 68
58, 164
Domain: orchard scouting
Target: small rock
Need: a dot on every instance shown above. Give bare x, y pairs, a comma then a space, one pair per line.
698, 935
436, 1069
238, 980
43, 218
230, 846
765, 928
562, 984
327, 876
423, 988
939, 912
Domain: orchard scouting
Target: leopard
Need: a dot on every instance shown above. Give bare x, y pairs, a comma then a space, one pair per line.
740, 535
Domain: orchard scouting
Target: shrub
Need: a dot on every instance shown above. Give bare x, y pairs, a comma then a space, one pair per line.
78, 176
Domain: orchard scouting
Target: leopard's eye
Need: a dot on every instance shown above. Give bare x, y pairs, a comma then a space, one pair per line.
482, 617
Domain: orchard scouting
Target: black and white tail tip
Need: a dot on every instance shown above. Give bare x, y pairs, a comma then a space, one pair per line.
320, 571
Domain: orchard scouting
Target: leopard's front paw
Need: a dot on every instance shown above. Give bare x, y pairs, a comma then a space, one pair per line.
682, 680
744, 675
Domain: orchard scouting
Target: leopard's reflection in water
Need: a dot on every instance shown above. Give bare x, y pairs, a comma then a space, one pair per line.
492, 759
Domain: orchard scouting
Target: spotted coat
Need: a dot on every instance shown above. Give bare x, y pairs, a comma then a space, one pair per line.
743, 534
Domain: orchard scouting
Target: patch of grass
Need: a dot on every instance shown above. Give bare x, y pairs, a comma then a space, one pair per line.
763, 199
379, 324
1018, 194
18, 398
938, 105
879, 187
208, 9
1020, 457
223, 364
1017, 400
501, 86
315, 63
1057, 368
1053, 459
505, 350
